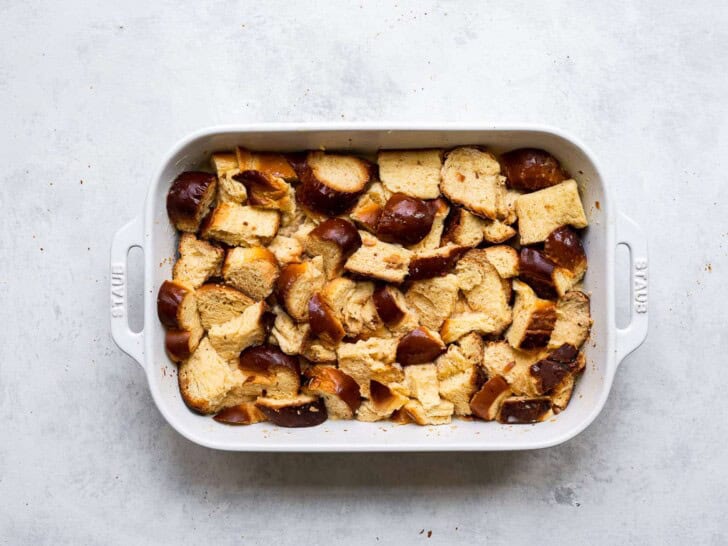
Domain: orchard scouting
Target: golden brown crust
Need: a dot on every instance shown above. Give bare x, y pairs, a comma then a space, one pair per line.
420, 346
329, 380
190, 198
530, 169
487, 401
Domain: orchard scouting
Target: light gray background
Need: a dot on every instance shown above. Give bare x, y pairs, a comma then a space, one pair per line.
91, 98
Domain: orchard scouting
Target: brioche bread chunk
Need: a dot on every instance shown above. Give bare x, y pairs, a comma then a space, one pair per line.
287, 250
340, 392
177, 306
218, 303
459, 324
436, 262
393, 310
198, 260
422, 384
369, 207
253, 271
563, 248
245, 413
434, 237
230, 190
550, 370
471, 178
280, 373
206, 381
378, 260
499, 358
289, 335
384, 400
238, 225
530, 169
332, 183
504, 258
298, 411
180, 344
441, 414
370, 359
497, 232
573, 320
533, 319
561, 395
413, 172
486, 403
457, 372
323, 321
190, 198
316, 351
523, 410
459, 389
541, 212
271, 164
433, 299
245, 330
297, 284
334, 240
464, 228
224, 162
484, 289
353, 306
419, 346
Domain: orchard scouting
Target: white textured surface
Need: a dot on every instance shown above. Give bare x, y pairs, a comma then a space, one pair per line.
97, 96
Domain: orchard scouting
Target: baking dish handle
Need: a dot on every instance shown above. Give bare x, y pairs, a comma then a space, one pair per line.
128, 237
631, 337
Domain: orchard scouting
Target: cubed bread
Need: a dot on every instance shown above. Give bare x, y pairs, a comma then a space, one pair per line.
323, 321
206, 381
245, 330
198, 260
472, 346
267, 191
435, 262
272, 164
384, 400
332, 183
414, 172
433, 299
504, 258
459, 358
484, 289
297, 284
499, 358
177, 306
369, 206
218, 303
541, 212
422, 384
561, 395
338, 390
189, 199
223, 162
464, 228
378, 260
420, 346
289, 335
523, 410
245, 413
298, 411
459, 389
334, 240
370, 359
238, 225
316, 351
497, 232
253, 271
353, 305
230, 190
440, 414
281, 373
533, 319
573, 320
530, 169
487, 402
471, 178
434, 237
287, 250
460, 324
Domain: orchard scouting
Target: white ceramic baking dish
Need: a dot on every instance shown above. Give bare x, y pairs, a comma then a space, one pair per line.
606, 348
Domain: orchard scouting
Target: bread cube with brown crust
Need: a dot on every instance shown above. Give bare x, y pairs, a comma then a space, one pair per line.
541, 212
433, 239
189, 199
497, 232
384, 400
289, 335
198, 260
334, 240
441, 414
218, 303
504, 258
245, 330
433, 299
464, 228
224, 162
499, 358
370, 359
524, 410
573, 320
369, 206
296, 285
230, 190
272, 164
378, 260
287, 250
238, 225
414, 172
471, 178
353, 305
486, 403
253, 271
338, 390
533, 319
459, 389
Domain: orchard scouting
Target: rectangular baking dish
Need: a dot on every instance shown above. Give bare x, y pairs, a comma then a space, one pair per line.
606, 348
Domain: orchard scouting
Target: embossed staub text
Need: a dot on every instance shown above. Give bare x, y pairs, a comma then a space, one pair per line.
640, 285
117, 291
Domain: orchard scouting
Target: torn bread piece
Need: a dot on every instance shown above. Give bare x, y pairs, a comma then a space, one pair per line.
230, 190
218, 303
298, 411
189, 199
338, 390
353, 305
245, 330
206, 381
223, 162
334, 240
459, 324
287, 250
413, 172
384, 400
440, 414
573, 320
499, 358
523, 410
487, 402
464, 228
497, 232
370, 359
504, 258
471, 178
369, 207
296, 285
245, 413
433, 239
253, 271
280, 373
533, 319
433, 299
271, 164
289, 335
459, 389
426, 264
421, 382
541, 212
198, 260
378, 260
484, 289
238, 225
